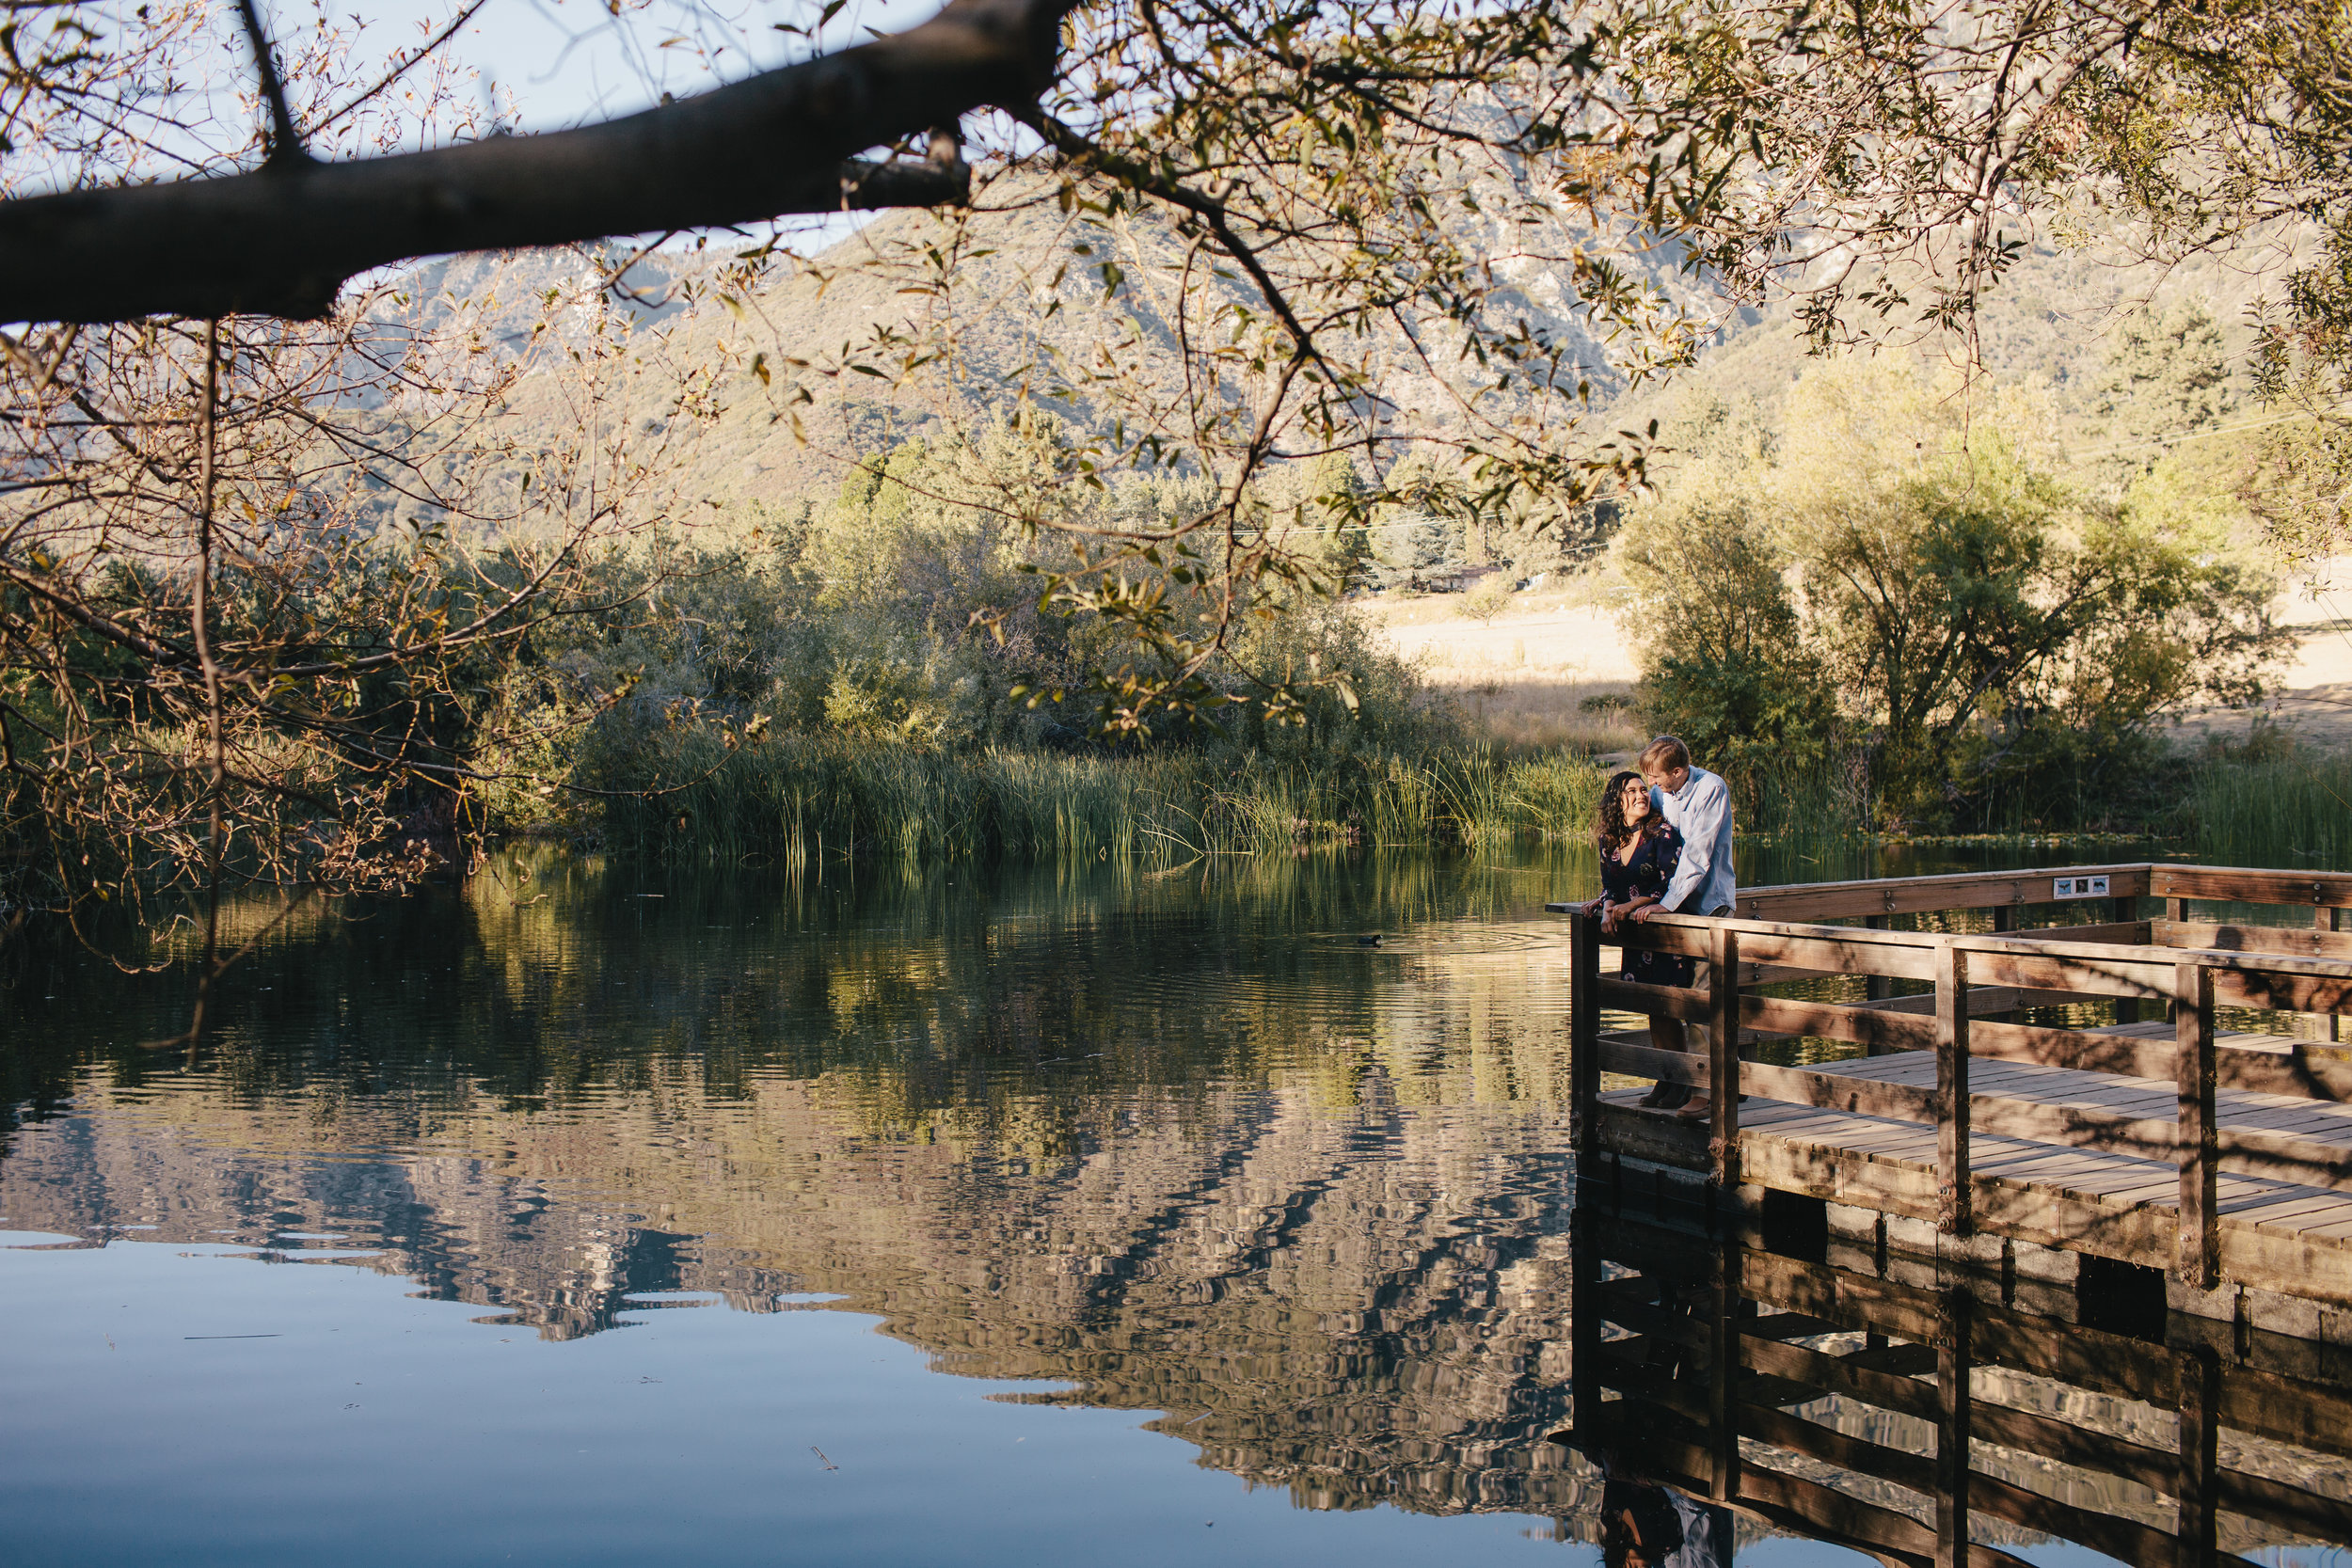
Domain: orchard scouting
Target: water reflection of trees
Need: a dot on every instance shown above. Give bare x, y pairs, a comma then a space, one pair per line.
1182, 1143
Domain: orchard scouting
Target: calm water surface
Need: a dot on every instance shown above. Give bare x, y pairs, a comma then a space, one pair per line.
593, 1214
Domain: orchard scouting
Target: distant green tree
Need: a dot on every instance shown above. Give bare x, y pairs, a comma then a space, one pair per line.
2167, 377
1898, 575
1322, 511
1998, 637
1726, 663
1489, 599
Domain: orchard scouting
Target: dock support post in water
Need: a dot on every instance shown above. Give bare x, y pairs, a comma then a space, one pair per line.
1954, 1212
2199, 1371
1584, 1034
1953, 1362
2197, 1254
1722, 1049
1722, 1373
1584, 1326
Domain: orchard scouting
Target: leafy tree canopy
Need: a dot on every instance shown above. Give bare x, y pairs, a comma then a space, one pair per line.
1996, 644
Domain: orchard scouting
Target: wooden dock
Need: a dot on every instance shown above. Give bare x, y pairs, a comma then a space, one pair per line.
2127, 1126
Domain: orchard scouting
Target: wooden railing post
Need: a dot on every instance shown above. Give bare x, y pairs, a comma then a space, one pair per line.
1584, 1032
1876, 988
2329, 920
2122, 910
1954, 1361
1954, 1214
2176, 910
1722, 1053
2197, 1255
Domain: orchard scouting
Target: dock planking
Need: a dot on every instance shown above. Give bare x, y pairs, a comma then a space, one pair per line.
2085, 1175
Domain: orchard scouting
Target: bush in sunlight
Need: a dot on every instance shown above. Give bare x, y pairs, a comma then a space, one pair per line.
1900, 579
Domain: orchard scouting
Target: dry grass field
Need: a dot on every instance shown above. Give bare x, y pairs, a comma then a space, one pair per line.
2312, 696
1525, 677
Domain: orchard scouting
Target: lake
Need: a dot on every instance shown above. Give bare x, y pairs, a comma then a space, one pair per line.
598, 1212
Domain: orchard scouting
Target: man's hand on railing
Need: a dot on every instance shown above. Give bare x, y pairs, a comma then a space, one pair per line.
1635, 909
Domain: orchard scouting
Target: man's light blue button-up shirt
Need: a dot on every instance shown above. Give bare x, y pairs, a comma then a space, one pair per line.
1700, 811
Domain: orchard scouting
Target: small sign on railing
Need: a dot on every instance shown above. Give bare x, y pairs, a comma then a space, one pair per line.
2078, 887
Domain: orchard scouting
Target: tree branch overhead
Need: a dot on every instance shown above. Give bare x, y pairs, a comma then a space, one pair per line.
281, 240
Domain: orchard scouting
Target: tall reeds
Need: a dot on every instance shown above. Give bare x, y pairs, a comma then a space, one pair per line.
786, 798
2287, 810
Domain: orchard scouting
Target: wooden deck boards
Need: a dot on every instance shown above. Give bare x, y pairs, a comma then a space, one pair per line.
2086, 1175
2323, 1120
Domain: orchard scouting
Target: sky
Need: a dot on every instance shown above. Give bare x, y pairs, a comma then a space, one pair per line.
552, 64
567, 63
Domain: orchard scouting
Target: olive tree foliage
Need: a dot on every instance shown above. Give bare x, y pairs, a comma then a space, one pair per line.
258, 575
1895, 158
1393, 235
1725, 661
1398, 232
1352, 194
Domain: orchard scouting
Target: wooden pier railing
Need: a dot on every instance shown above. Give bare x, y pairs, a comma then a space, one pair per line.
1966, 993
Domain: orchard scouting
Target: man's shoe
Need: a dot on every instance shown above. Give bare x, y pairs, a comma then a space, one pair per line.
1697, 1109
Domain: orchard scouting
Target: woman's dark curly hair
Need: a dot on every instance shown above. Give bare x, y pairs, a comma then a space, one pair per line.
1612, 830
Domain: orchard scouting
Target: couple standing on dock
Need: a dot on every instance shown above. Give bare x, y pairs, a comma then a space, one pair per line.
1664, 836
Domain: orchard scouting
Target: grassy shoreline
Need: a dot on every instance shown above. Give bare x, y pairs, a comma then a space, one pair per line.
793, 797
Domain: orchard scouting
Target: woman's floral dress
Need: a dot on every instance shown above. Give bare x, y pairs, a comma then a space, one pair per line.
1647, 876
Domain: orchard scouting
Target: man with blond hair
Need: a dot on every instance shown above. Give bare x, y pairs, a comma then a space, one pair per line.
1697, 804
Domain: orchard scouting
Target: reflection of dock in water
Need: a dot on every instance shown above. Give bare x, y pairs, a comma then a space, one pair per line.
1937, 1420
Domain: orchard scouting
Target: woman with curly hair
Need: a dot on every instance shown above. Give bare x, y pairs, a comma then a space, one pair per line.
1639, 851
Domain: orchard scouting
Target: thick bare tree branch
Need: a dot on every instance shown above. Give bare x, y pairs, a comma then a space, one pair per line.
282, 239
